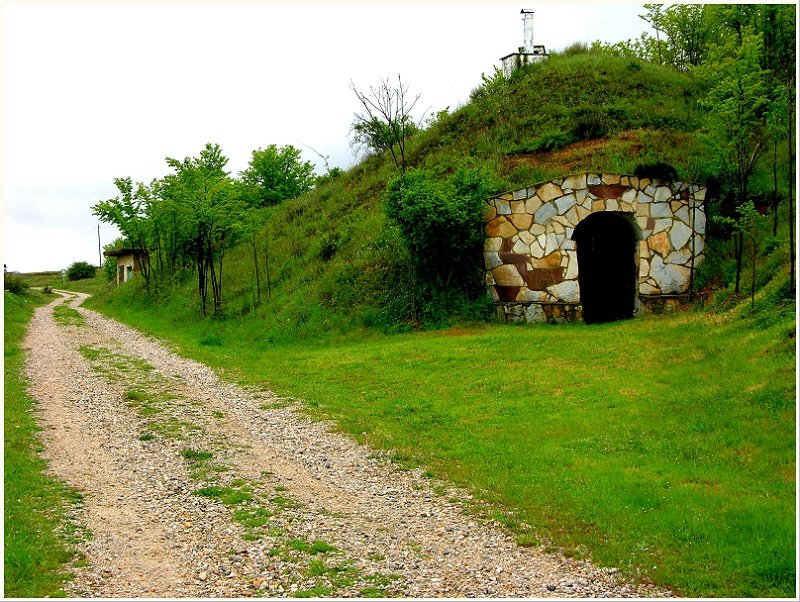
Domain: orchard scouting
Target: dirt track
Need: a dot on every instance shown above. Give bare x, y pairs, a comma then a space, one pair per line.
194, 487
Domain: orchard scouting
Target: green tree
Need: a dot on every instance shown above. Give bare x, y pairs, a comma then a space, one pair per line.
275, 174
210, 215
385, 122
110, 264
127, 211
736, 114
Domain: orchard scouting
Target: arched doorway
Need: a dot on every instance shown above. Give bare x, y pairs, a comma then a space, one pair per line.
607, 247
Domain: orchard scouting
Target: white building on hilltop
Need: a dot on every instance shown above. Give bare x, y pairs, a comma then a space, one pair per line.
526, 54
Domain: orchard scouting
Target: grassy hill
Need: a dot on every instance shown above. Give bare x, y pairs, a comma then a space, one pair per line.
333, 258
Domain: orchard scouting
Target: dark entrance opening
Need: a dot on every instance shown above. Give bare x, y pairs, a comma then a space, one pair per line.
607, 244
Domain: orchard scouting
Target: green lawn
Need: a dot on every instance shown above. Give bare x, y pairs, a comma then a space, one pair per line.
36, 551
663, 446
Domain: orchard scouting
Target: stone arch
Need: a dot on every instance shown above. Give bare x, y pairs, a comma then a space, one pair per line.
531, 255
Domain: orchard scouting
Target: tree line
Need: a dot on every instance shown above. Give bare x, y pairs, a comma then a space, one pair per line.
186, 221
743, 56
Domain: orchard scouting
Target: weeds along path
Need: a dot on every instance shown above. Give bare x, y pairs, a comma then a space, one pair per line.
194, 487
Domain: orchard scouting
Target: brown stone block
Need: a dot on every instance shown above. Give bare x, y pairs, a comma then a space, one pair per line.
522, 221
549, 191
507, 293
521, 261
517, 207
507, 275
553, 260
660, 243
501, 227
608, 191
538, 279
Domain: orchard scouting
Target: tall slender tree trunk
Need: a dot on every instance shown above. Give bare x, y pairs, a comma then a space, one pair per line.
775, 198
738, 242
791, 201
266, 266
258, 278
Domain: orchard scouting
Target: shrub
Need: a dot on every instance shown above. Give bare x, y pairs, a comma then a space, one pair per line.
14, 284
80, 270
110, 268
441, 225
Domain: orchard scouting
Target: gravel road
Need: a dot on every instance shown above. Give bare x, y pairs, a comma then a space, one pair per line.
194, 487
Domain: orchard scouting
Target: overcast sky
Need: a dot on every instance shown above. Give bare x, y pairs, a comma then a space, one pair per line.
97, 91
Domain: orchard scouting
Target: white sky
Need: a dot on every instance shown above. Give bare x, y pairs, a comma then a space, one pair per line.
97, 91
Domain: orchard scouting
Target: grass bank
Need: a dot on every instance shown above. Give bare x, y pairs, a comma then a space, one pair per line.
662, 446
37, 551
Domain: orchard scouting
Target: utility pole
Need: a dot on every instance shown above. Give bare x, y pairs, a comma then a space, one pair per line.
99, 253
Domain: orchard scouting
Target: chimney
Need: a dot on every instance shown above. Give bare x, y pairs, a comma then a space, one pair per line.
527, 19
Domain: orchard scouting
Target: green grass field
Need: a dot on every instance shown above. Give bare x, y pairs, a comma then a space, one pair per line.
37, 551
663, 446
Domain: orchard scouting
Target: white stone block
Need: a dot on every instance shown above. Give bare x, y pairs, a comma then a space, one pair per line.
700, 221
660, 210
699, 245
644, 268
553, 240
526, 237
679, 234
492, 244
572, 216
571, 272
682, 257
670, 278
662, 193
567, 291
629, 196
536, 250
521, 248
503, 207
565, 203
683, 215
660, 225
535, 313
544, 213
646, 288
492, 260
574, 182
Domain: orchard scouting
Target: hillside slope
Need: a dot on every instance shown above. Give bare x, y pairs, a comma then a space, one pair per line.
333, 259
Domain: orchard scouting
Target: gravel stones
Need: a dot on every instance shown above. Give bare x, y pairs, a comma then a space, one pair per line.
317, 513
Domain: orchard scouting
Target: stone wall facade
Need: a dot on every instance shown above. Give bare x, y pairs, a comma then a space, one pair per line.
531, 256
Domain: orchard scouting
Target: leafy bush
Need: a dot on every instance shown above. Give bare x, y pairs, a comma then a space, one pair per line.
598, 121
80, 270
441, 225
14, 284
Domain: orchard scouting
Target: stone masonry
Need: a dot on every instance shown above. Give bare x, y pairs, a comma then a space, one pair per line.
530, 254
